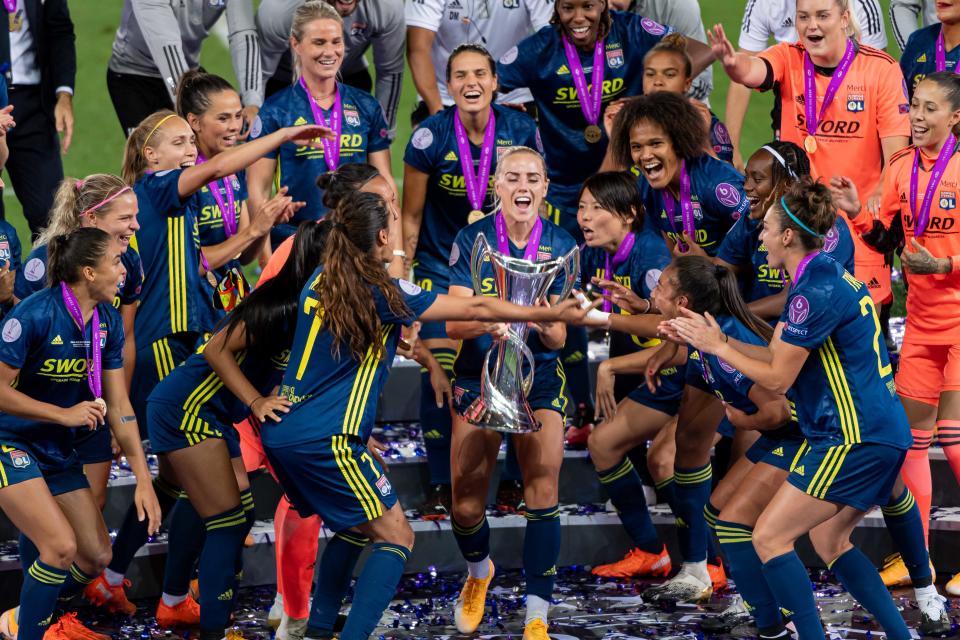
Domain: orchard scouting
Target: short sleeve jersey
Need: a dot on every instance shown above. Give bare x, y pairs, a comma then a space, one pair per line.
433, 150
723, 380
33, 279
169, 245
933, 301
364, 131
742, 248
872, 104
919, 57
720, 140
844, 393
41, 339
10, 255
716, 191
336, 394
539, 63
554, 243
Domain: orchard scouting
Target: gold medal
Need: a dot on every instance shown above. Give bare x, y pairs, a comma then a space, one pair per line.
212, 279
810, 144
592, 134
102, 404
475, 216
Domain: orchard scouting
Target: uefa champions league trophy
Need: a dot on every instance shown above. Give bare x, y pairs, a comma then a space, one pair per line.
502, 405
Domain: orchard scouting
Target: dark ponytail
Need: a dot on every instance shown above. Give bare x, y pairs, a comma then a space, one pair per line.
346, 179
713, 288
351, 272
195, 89
269, 313
809, 207
68, 254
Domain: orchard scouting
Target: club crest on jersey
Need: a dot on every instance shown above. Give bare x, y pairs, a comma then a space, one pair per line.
351, 117
653, 28
855, 102
103, 338
831, 239
727, 194
383, 486
799, 310
615, 58
4, 250
19, 459
948, 200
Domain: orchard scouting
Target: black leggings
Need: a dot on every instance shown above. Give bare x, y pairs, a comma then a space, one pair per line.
135, 97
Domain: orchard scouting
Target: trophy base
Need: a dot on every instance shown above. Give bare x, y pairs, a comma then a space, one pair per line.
517, 418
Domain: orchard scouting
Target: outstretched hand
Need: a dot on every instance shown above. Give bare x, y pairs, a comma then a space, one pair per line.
700, 331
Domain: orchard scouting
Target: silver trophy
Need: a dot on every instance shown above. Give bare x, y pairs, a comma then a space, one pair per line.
502, 405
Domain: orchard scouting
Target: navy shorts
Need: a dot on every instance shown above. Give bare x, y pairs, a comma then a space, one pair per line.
93, 447
154, 362
18, 464
171, 429
726, 429
548, 391
857, 475
429, 280
668, 395
336, 479
782, 453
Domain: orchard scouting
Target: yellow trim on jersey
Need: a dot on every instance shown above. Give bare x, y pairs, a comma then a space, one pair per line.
342, 453
846, 409
801, 451
563, 386
176, 271
163, 357
828, 470
362, 383
3, 476
315, 325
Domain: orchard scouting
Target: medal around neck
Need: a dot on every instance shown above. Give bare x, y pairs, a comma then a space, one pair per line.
475, 216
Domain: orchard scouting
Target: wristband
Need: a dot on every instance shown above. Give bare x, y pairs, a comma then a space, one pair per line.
600, 316
649, 306
400, 253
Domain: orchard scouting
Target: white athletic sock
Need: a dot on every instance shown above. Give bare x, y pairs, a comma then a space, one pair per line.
113, 578
537, 607
928, 591
479, 569
698, 569
172, 601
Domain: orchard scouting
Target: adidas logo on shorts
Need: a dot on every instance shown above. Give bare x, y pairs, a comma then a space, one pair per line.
799, 470
778, 452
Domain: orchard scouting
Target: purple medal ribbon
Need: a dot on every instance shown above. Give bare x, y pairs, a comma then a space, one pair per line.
476, 183
228, 211
686, 208
921, 219
618, 258
503, 240
803, 265
331, 148
810, 87
941, 57
590, 103
94, 363
10, 5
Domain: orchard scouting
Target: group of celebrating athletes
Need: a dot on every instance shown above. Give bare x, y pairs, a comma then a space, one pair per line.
738, 305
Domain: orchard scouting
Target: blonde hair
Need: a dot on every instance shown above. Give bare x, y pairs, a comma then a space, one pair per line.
304, 15
512, 151
853, 29
76, 197
148, 133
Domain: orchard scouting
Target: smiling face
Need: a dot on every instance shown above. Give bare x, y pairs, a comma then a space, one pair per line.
119, 218
931, 116
217, 128
653, 153
822, 27
665, 71
104, 278
601, 228
344, 7
580, 20
772, 236
320, 52
948, 11
758, 186
521, 186
472, 82
665, 296
173, 146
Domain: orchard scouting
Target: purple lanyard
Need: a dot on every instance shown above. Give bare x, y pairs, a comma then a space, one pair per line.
618, 258
228, 211
10, 6
590, 103
810, 86
686, 207
94, 363
503, 240
476, 183
331, 148
942, 54
803, 265
921, 219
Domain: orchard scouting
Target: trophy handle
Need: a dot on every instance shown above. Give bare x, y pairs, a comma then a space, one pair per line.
514, 341
481, 248
571, 271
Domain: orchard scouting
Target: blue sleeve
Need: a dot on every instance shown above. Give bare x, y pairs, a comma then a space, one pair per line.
738, 381
31, 278
421, 149
909, 56
693, 372
416, 299
266, 122
378, 137
726, 198
735, 249
531, 137
810, 316
113, 350
13, 244
133, 284
460, 275
19, 333
513, 68
4, 93
643, 33
162, 189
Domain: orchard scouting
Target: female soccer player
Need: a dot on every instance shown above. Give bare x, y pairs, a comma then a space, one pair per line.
104, 201
844, 102
159, 159
361, 133
846, 406
918, 205
448, 167
346, 336
933, 48
584, 34
691, 197
56, 377
668, 67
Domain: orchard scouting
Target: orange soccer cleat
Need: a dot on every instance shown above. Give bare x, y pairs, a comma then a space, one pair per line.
718, 576
637, 563
113, 598
69, 628
183, 614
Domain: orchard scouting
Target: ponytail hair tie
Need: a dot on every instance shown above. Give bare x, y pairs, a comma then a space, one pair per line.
78, 185
719, 271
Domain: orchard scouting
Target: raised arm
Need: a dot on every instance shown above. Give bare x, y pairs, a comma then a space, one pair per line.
419, 43
745, 69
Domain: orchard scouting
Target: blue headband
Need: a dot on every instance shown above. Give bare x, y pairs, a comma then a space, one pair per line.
783, 203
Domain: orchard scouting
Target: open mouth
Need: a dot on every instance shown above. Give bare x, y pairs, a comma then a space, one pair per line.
473, 95
654, 171
580, 32
124, 239
229, 141
523, 203
588, 234
816, 39
919, 130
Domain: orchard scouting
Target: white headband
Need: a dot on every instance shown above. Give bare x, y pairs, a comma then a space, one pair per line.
783, 163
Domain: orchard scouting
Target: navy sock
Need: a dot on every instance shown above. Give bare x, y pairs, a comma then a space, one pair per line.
185, 542
710, 515
375, 588
218, 583
436, 422
745, 567
247, 505
133, 533
789, 582
902, 517
693, 487
666, 492
28, 552
511, 468
625, 489
576, 366
860, 578
77, 580
38, 599
541, 548
474, 541
336, 570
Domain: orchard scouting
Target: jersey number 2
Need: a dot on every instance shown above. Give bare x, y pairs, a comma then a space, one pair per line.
867, 309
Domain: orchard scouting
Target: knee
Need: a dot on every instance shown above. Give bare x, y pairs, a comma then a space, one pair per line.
659, 465
541, 493
768, 542
828, 545
59, 552
401, 535
468, 512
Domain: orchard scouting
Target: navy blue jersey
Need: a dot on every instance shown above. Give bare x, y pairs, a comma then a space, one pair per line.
364, 132
845, 392
199, 392
554, 243
169, 245
9, 254
433, 150
41, 340
727, 383
336, 394
742, 248
33, 277
720, 139
640, 273
540, 64
919, 57
716, 190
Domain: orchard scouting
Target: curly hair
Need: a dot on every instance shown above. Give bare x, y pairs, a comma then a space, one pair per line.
676, 117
